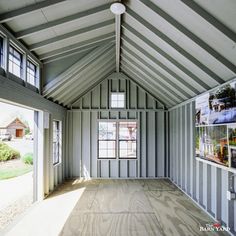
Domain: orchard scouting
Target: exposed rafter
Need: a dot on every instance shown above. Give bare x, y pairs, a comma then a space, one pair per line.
100, 72
190, 35
152, 79
88, 29
90, 88
70, 53
72, 82
211, 19
145, 86
87, 43
163, 66
167, 56
181, 50
77, 16
143, 80
159, 76
28, 9
60, 80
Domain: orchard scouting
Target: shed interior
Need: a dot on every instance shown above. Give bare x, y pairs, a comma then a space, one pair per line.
124, 89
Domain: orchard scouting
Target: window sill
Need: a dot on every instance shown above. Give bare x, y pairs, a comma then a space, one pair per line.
233, 170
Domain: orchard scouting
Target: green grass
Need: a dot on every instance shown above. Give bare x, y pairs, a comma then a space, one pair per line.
11, 173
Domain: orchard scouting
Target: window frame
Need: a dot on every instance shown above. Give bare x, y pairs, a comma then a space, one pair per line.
1, 52
15, 57
126, 140
117, 93
58, 143
28, 69
117, 140
106, 140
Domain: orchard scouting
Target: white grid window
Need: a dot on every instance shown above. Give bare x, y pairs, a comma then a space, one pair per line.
107, 140
117, 100
15, 62
32, 74
56, 142
117, 140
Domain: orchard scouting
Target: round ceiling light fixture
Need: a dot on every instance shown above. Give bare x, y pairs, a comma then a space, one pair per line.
117, 8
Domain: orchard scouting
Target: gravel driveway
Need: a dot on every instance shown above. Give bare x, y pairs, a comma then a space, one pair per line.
17, 197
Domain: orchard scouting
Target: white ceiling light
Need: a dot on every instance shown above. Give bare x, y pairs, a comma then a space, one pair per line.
117, 8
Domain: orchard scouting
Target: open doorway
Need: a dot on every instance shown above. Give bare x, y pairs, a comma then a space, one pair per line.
16, 161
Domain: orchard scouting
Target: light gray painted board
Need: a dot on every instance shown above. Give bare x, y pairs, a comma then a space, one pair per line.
132, 171
151, 126
113, 169
206, 184
86, 141
151, 151
93, 147
160, 143
76, 144
104, 168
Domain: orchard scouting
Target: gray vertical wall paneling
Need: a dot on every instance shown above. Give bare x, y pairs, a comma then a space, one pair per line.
85, 144
93, 144
224, 188
138, 172
143, 144
76, 145
151, 126
46, 161
160, 140
170, 134
51, 170
183, 151
178, 145
188, 158
192, 145
208, 192
144, 166
205, 183
71, 133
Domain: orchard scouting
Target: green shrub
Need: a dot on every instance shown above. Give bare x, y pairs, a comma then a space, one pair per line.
28, 158
8, 153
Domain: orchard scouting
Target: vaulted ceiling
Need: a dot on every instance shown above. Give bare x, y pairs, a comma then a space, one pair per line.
177, 49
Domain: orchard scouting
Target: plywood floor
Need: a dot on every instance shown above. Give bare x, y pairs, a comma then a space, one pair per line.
133, 207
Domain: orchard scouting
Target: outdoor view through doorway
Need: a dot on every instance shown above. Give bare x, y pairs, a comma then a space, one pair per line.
16, 161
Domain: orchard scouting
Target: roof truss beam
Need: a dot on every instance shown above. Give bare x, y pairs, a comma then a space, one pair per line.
77, 16
135, 77
183, 52
28, 9
190, 35
145, 81
71, 53
71, 34
164, 67
153, 81
167, 56
90, 89
211, 19
155, 71
60, 80
91, 79
91, 42
71, 85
